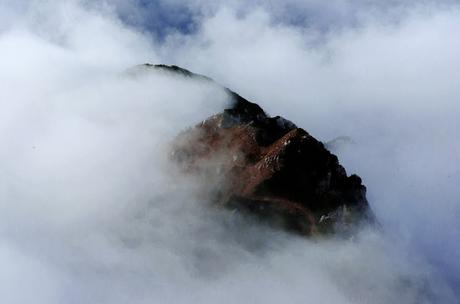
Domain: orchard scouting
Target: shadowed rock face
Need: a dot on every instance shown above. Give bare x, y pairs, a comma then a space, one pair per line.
269, 168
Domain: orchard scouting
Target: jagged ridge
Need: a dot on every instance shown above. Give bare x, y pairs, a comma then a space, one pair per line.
268, 167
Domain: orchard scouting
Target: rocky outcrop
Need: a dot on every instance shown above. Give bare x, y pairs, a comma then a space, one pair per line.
269, 168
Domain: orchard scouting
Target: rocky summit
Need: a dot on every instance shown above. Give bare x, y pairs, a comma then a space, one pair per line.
270, 169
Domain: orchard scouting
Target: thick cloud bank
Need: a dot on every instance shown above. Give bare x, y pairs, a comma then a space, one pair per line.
91, 210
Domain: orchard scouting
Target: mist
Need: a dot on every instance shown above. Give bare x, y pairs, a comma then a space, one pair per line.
92, 210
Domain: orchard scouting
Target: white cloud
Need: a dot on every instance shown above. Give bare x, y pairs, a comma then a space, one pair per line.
391, 87
90, 210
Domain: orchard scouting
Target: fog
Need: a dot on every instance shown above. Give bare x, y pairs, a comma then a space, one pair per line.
92, 210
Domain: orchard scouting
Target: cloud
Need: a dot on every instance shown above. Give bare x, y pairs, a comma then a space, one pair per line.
391, 87
91, 210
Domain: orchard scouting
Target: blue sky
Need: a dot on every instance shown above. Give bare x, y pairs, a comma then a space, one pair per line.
160, 17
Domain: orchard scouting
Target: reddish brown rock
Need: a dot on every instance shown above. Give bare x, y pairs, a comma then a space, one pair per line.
269, 168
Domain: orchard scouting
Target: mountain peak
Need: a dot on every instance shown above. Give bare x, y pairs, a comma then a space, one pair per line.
269, 168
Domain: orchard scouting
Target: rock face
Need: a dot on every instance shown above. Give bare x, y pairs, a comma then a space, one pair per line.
269, 168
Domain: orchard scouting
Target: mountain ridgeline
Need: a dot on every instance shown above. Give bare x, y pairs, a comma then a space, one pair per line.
269, 169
